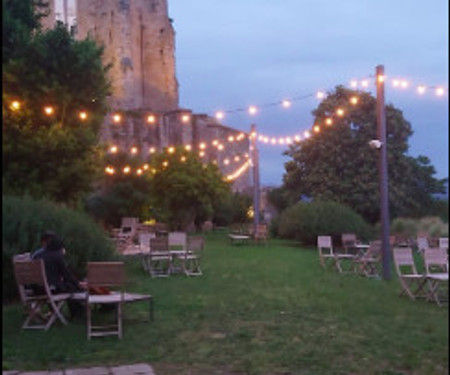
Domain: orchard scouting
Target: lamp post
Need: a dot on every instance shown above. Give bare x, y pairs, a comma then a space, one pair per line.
381, 145
255, 164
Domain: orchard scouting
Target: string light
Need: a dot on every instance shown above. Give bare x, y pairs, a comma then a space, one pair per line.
439, 91
185, 118
134, 150
126, 169
286, 103
82, 115
220, 115
421, 89
340, 112
354, 100
252, 110
116, 118
15, 105
151, 119
49, 110
320, 95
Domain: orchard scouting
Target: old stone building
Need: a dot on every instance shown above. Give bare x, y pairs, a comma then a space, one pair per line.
139, 42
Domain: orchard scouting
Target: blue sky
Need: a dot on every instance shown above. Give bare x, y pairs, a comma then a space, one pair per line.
235, 53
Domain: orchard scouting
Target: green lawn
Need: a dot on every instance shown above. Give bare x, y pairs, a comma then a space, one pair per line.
256, 310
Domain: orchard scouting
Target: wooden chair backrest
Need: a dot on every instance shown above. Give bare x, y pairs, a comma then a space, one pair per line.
403, 257
348, 239
22, 256
106, 274
435, 257
29, 272
443, 243
160, 244
178, 240
325, 244
374, 250
195, 243
422, 243
144, 239
129, 222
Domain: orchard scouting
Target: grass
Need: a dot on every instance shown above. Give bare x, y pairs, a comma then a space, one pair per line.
256, 310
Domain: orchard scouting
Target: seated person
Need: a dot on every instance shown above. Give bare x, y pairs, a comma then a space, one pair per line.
59, 278
45, 238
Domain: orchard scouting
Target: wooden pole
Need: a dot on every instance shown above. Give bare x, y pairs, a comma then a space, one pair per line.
383, 172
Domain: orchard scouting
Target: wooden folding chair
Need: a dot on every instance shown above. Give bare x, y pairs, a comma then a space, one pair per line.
328, 256
109, 275
443, 243
436, 270
178, 249
349, 242
411, 281
159, 257
369, 263
144, 247
191, 262
41, 306
261, 234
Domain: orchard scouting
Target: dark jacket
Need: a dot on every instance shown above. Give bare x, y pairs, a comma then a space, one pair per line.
59, 279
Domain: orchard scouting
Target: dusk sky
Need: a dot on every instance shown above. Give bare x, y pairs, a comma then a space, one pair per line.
236, 53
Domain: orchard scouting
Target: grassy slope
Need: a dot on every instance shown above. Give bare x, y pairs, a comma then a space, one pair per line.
256, 310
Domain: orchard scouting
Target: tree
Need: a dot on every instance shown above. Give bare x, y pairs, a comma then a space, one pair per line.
55, 156
183, 189
338, 165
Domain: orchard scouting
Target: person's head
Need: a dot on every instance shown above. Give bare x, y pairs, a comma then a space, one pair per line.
55, 244
46, 237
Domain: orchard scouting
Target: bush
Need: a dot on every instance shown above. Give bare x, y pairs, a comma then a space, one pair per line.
410, 228
24, 219
305, 221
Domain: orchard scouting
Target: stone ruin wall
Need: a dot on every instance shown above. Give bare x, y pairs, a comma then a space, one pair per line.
139, 41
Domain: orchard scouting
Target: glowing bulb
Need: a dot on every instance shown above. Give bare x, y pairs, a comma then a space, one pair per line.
185, 118
273, 141
439, 91
237, 158
297, 138
381, 78
421, 90
215, 142
152, 150
316, 128
354, 100
320, 95
266, 139
171, 150
286, 103
183, 159
365, 83
139, 172
82, 115
15, 105
230, 138
307, 134
288, 140
220, 115
117, 118
226, 162
281, 141
329, 121
201, 153
220, 147
134, 150
340, 112
396, 83
188, 147
165, 163
202, 146
353, 83
126, 169
151, 119
252, 110
113, 149
109, 170
145, 166
404, 84
48, 111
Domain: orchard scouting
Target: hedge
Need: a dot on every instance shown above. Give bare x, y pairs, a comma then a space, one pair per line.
24, 219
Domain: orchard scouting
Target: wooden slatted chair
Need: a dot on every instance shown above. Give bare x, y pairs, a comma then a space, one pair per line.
42, 308
327, 255
112, 276
411, 281
191, 262
443, 243
159, 257
261, 234
369, 263
349, 242
436, 270
178, 249
144, 247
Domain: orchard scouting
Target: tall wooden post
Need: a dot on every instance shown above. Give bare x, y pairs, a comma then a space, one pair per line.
383, 172
255, 164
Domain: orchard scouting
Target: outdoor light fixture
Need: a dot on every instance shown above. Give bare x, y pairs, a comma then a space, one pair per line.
375, 143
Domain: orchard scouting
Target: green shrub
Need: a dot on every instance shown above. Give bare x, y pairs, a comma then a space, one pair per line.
24, 219
305, 221
410, 228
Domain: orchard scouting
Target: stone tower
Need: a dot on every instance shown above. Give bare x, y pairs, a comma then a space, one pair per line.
139, 41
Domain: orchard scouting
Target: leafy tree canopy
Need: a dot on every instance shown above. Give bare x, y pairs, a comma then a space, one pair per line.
183, 189
55, 156
338, 164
